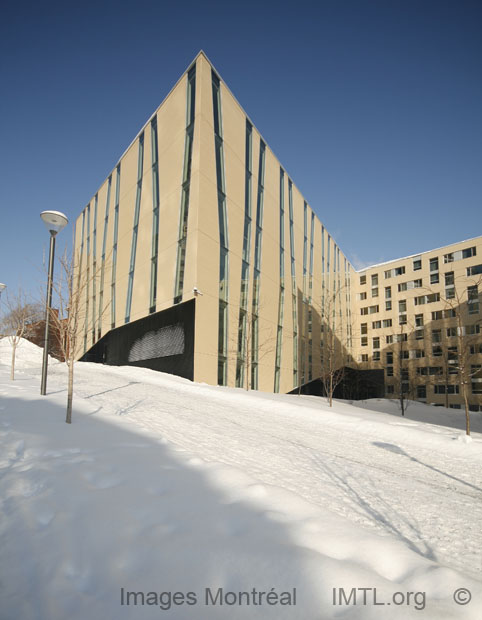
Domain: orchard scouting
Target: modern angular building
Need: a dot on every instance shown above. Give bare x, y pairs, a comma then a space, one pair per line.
199, 256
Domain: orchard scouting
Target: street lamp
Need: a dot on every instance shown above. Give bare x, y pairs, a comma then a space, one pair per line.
55, 222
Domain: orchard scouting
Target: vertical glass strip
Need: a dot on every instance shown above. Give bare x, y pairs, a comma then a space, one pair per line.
114, 247
279, 330
257, 268
102, 266
87, 276
135, 228
94, 265
81, 253
243, 328
223, 232
186, 181
310, 300
293, 286
155, 216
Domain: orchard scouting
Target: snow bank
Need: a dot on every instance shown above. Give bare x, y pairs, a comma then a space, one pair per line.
420, 412
28, 355
162, 486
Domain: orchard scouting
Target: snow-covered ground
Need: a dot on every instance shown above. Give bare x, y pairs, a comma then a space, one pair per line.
165, 486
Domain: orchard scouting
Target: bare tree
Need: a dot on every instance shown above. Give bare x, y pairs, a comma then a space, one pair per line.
462, 305
18, 321
72, 290
333, 350
403, 378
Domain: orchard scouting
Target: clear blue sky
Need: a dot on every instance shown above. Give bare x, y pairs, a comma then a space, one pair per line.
373, 107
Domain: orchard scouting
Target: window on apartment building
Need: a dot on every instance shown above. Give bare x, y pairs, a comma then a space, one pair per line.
402, 319
364, 357
375, 279
402, 287
475, 349
449, 389
376, 342
364, 328
389, 371
450, 313
364, 341
375, 292
433, 264
437, 315
388, 305
376, 324
373, 309
376, 356
434, 278
389, 357
396, 271
419, 335
473, 299
403, 355
419, 353
417, 263
437, 351
389, 339
402, 305
474, 270
435, 370
451, 332
472, 330
436, 335
418, 320
449, 258
363, 296
417, 283
449, 278
388, 292
426, 299
476, 378
387, 323
390, 389
363, 280
401, 337
421, 391
468, 252
452, 355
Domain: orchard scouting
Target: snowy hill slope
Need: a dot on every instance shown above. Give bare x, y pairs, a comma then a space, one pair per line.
161, 485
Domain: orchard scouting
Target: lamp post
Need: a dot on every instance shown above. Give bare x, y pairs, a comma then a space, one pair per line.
55, 222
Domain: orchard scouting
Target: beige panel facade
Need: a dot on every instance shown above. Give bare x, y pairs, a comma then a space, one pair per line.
207, 170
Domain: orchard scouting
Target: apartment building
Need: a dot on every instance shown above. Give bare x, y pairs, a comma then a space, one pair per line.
419, 320
199, 256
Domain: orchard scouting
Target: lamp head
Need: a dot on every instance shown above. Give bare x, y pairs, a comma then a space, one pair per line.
55, 221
